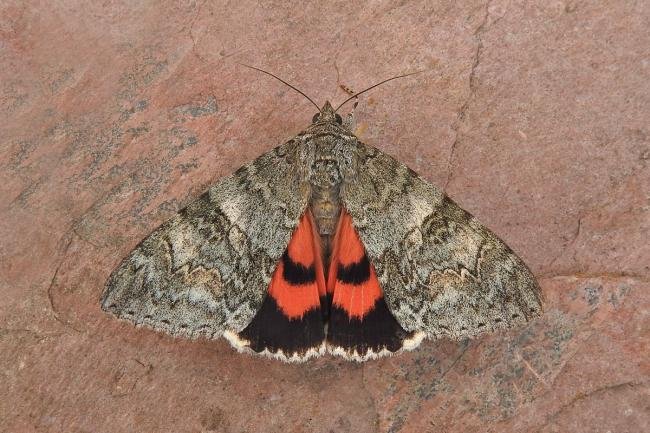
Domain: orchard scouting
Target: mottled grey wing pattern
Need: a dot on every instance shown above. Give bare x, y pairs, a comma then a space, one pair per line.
208, 268
442, 272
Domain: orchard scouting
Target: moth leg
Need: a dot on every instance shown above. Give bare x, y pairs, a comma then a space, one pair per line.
349, 119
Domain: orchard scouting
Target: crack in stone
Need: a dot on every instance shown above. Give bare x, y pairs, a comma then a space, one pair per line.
148, 369
37, 335
575, 239
50, 297
569, 244
530, 368
26, 192
589, 330
602, 276
91, 208
191, 34
458, 358
404, 411
462, 112
579, 344
582, 396
88, 241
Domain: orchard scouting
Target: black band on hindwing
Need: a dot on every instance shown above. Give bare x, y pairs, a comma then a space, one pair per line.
354, 273
297, 273
377, 330
272, 330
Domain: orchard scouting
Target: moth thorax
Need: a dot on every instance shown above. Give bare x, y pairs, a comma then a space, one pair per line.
326, 208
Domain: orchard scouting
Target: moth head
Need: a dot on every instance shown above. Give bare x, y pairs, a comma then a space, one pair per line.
327, 114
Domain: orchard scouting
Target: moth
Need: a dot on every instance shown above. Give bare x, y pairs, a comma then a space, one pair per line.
323, 245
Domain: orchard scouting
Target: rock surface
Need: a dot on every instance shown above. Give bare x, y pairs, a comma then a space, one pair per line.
532, 115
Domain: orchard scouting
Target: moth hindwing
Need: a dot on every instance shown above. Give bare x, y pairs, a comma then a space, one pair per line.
323, 244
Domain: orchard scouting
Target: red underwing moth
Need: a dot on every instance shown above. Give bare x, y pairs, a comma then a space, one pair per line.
323, 245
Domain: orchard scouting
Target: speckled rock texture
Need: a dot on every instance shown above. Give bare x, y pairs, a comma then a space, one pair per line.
532, 115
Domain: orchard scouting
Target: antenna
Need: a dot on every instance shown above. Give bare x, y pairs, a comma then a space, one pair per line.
284, 82
373, 86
